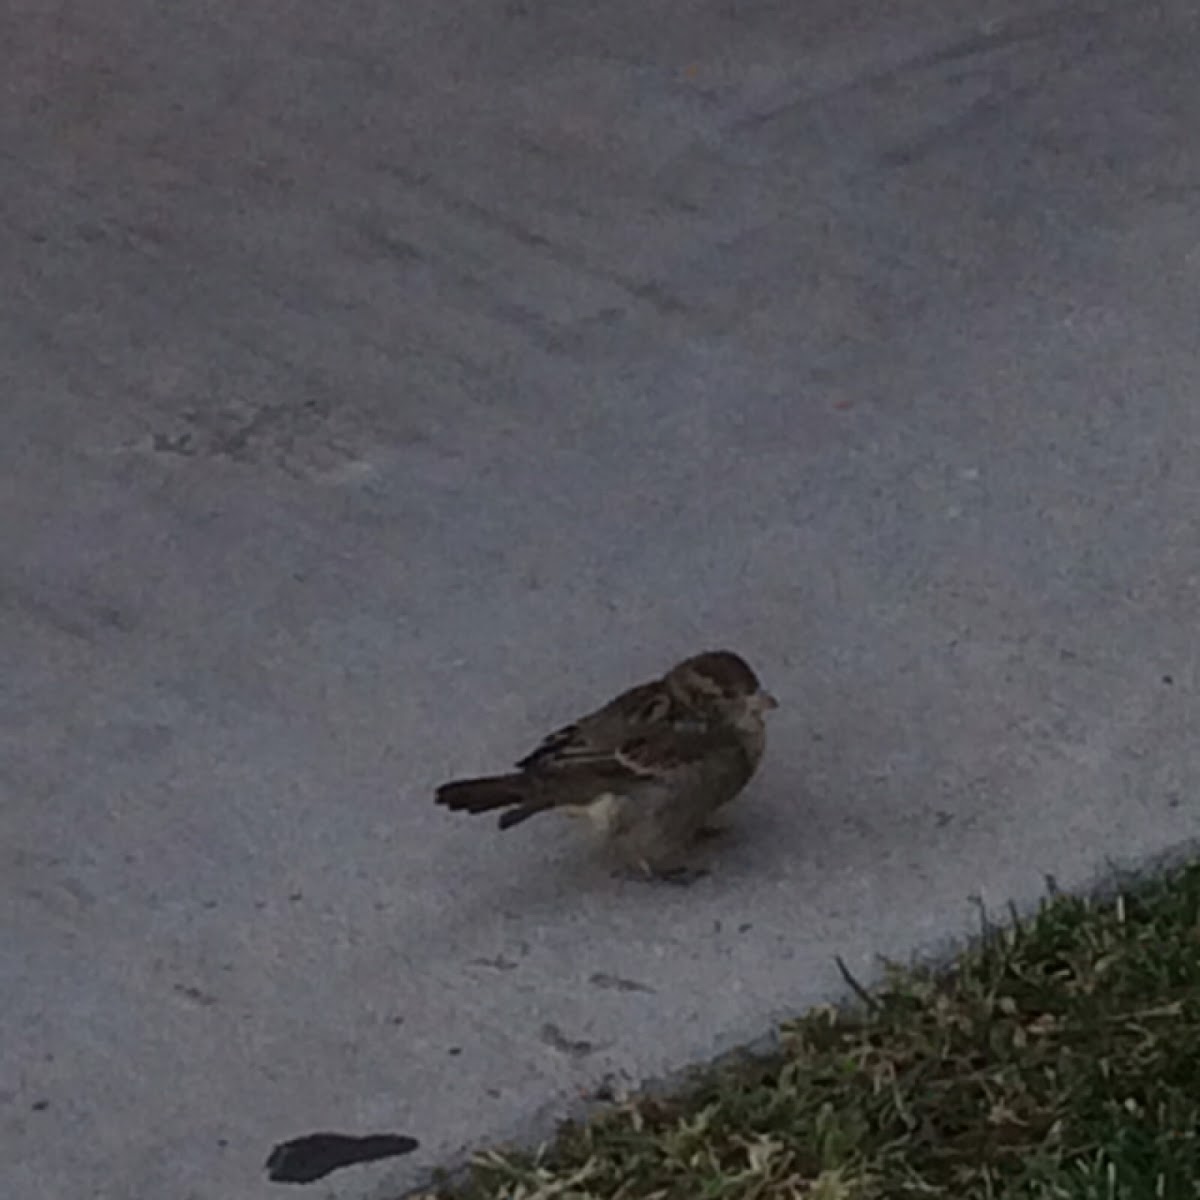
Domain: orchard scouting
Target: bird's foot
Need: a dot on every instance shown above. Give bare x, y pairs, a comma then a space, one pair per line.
681, 876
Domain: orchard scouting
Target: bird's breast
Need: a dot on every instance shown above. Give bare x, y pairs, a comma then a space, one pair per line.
601, 813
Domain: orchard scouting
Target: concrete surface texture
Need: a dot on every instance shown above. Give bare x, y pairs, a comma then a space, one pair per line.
385, 383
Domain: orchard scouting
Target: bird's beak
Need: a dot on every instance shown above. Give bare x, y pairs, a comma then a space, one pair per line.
766, 701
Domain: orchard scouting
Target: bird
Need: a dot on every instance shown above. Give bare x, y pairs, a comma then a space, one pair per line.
649, 768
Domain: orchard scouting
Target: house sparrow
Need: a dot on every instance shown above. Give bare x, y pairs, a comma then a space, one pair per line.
649, 768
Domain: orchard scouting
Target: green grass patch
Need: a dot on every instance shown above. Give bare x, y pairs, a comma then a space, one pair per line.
1059, 1057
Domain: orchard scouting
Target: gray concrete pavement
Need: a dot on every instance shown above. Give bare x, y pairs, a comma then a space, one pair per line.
382, 384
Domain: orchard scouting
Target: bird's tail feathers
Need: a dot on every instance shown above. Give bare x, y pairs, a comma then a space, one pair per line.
482, 795
510, 792
530, 808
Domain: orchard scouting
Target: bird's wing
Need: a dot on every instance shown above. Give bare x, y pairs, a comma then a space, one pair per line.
670, 748
597, 736
643, 755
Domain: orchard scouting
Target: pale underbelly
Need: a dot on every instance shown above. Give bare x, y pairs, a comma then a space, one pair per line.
602, 813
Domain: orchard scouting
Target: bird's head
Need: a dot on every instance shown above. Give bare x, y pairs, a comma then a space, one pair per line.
722, 682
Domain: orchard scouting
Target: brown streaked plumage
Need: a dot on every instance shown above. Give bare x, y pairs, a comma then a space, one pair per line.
649, 768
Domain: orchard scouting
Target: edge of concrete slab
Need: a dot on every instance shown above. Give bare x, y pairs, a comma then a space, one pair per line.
1102, 883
